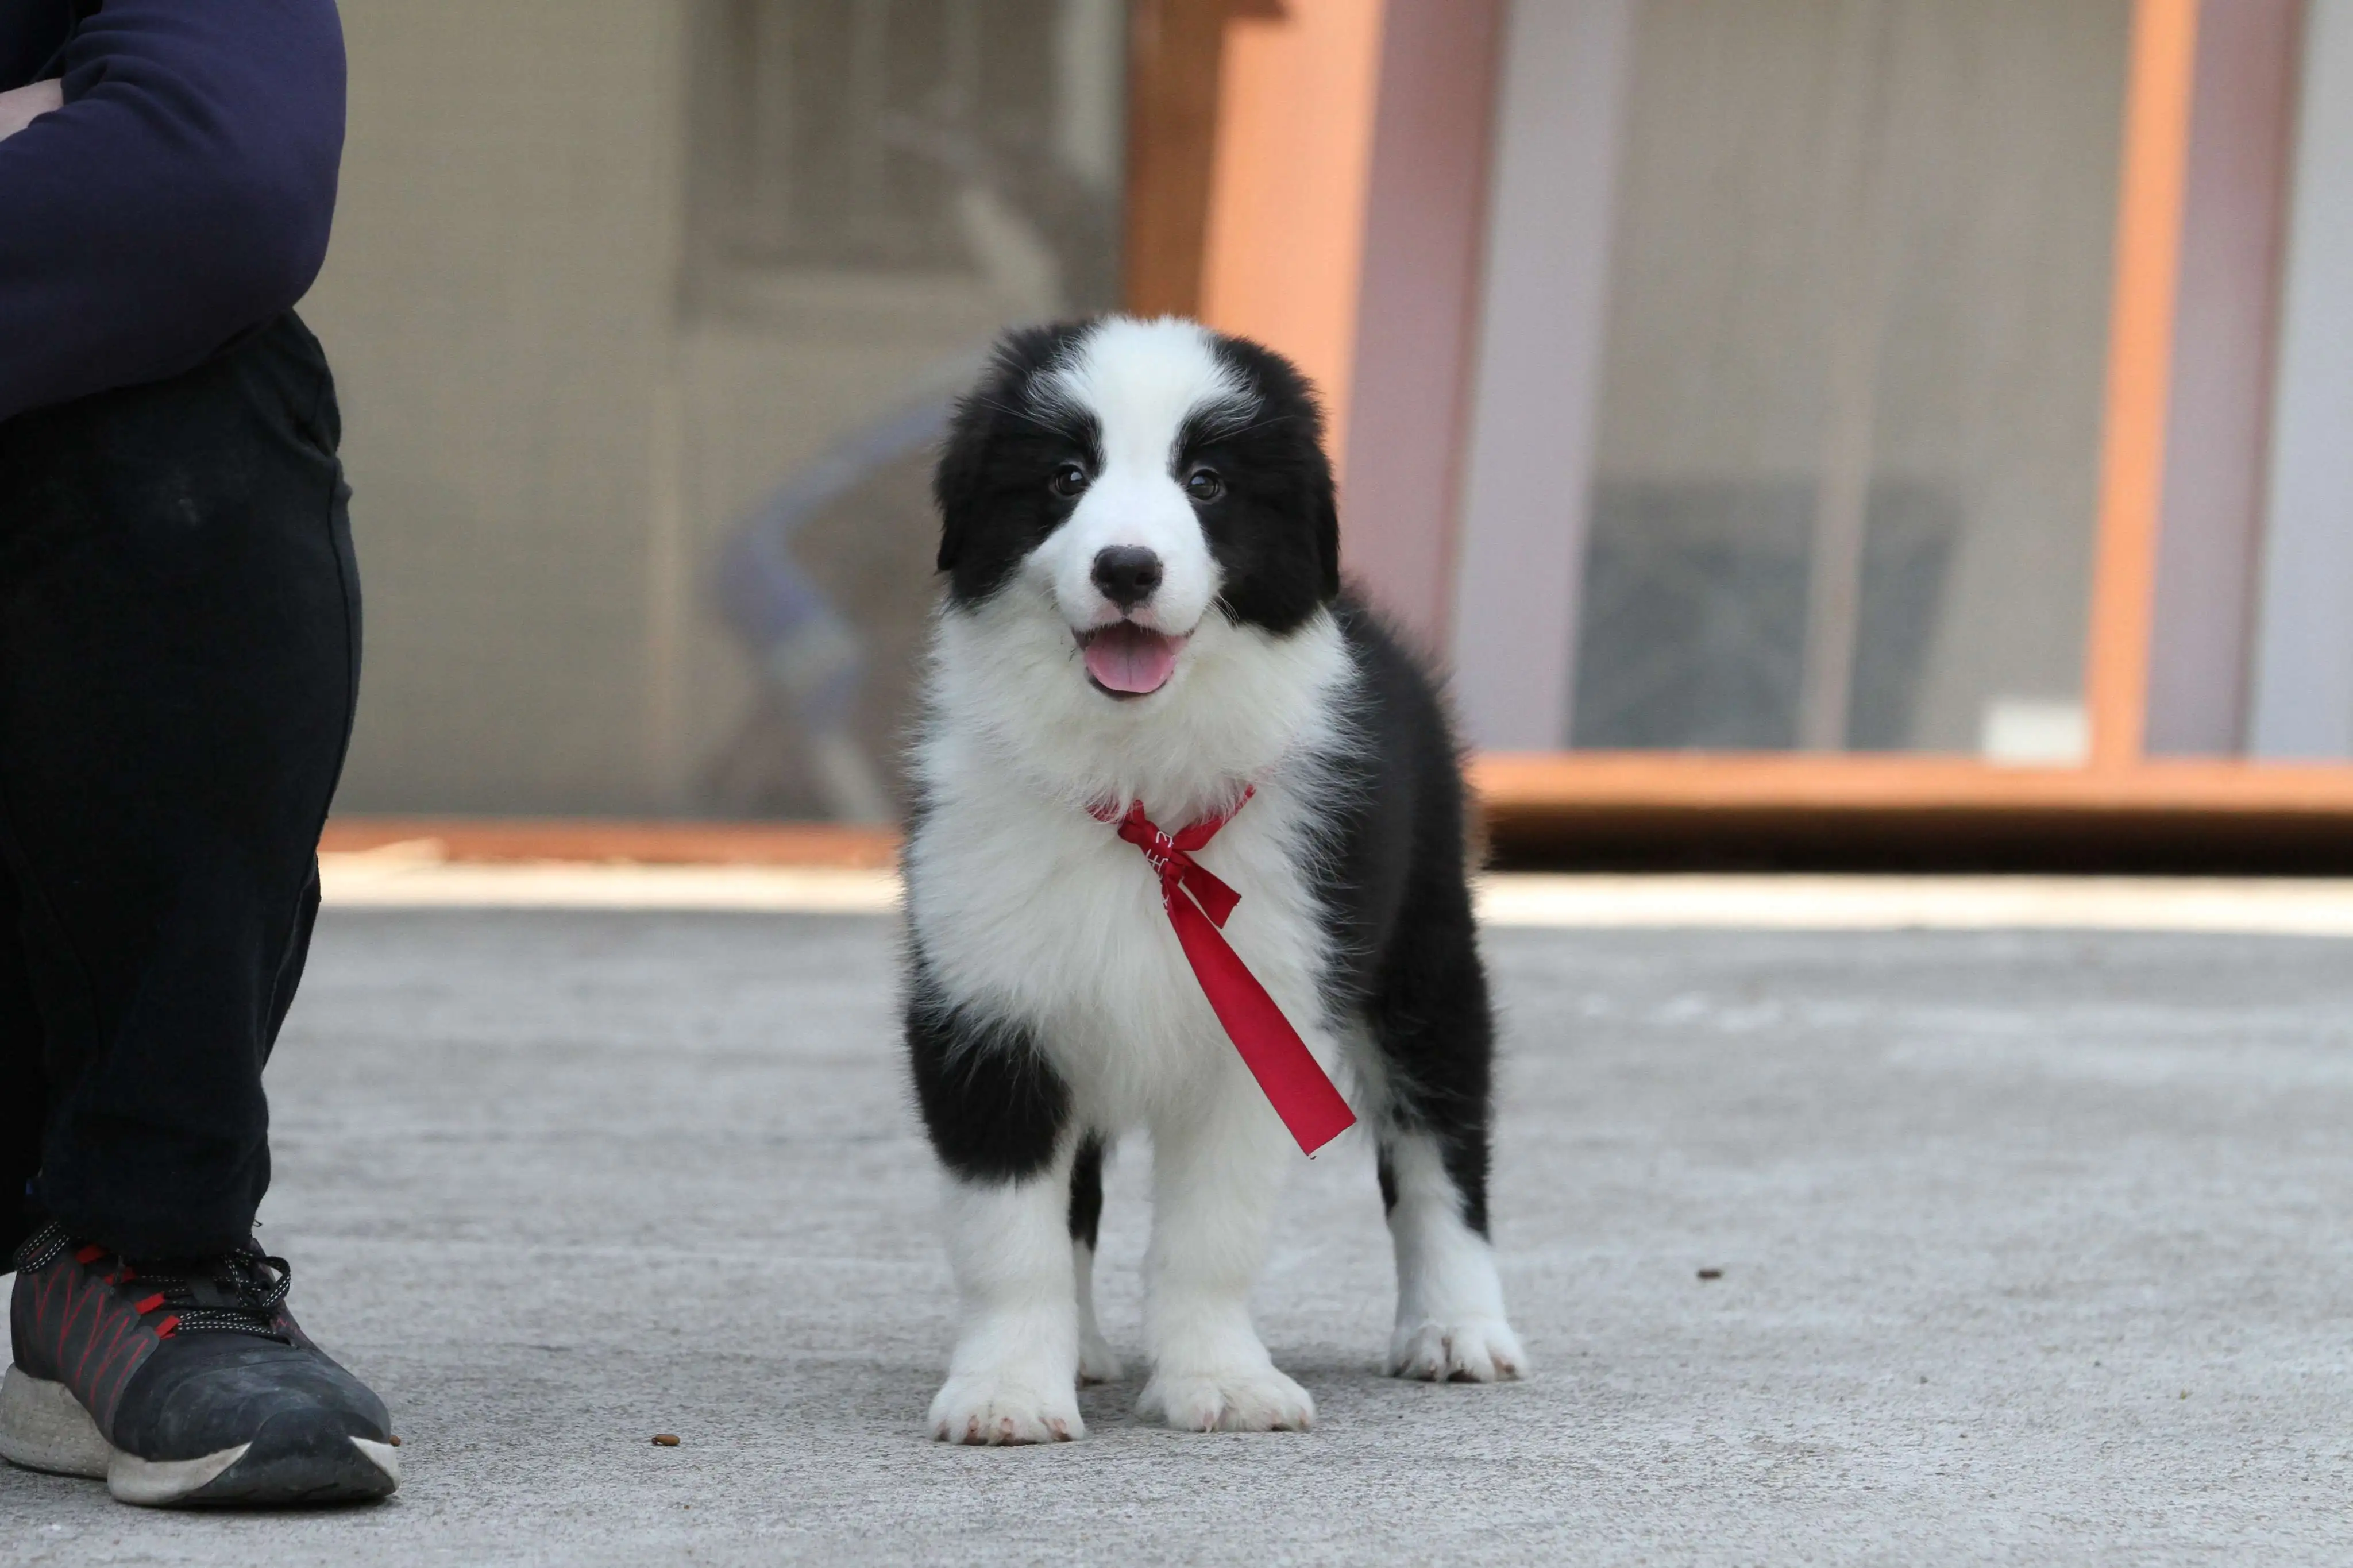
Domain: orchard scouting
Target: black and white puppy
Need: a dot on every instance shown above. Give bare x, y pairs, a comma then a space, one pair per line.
1144, 605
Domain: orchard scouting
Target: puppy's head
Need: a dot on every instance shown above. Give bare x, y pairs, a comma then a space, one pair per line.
1142, 485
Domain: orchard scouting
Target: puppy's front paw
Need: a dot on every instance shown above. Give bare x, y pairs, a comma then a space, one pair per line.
998, 1409
1475, 1350
1241, 1399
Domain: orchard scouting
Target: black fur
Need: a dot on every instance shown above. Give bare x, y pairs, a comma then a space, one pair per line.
993, 1106
1275, 530
993, 484
1396, 896
1395, 887
1086, 1189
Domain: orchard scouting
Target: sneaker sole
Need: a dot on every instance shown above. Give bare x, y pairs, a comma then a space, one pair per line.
44, 1427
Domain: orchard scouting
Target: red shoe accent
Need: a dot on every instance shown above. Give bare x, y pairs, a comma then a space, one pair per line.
150, 1304
164, 1329
90, 1254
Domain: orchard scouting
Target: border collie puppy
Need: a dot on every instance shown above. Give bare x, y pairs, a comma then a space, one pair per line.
1144, 613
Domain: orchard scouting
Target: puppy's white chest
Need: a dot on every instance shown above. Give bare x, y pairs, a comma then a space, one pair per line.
1045, 916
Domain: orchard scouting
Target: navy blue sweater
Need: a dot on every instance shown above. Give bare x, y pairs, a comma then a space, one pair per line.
182, 196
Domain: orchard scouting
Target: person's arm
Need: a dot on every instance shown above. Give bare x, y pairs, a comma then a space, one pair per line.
20, 106
178, 195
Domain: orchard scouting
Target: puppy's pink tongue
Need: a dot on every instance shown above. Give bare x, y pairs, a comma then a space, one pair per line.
1125, 657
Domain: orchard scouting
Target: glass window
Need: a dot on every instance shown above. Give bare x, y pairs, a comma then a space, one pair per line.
646, 328
1846, 468
881, 186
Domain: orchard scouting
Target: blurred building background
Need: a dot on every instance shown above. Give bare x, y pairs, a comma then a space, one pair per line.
609, 276
1967, 378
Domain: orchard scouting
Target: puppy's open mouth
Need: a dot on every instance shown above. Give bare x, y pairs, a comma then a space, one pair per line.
1125, 659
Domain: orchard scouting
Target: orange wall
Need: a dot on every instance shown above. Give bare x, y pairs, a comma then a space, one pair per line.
1286, 217
2140, 355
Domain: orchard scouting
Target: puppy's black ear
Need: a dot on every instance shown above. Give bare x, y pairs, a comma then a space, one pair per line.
957, 479
1324, 506
961, 482
951, 485
1287, 402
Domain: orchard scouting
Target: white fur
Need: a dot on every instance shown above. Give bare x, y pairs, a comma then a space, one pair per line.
1014, 1376
1031, 911
1141, 380
1449, 1319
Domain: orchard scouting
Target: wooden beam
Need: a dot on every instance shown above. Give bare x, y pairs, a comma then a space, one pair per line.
592, 839
1298, 85
1651, 809
1536, 783
2140, 353
1175, 55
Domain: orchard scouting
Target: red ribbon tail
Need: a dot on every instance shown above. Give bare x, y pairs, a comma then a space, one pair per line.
1294, 1082
1217, 900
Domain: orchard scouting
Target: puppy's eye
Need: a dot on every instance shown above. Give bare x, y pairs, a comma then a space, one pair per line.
1069, 479
1203, 484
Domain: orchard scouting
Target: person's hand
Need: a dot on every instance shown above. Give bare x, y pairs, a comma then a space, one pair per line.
19, 106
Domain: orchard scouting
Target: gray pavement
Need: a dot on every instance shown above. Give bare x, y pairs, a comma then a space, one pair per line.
2034, 1249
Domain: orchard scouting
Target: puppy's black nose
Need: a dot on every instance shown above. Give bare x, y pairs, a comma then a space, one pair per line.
1127, 574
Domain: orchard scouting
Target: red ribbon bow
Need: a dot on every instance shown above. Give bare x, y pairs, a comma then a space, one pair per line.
1197, 905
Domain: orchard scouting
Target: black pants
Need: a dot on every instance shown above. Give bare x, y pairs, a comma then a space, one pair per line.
179, 657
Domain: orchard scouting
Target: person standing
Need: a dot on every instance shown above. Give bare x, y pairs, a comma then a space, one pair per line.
179, 661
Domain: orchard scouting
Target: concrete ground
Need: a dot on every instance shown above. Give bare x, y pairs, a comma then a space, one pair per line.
2034, 1248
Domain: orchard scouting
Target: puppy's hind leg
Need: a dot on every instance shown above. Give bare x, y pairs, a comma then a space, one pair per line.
996, 1113
1098, 1362
1451, 1326
1431, 1022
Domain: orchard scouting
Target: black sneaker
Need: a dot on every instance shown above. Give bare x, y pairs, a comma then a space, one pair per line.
182, 1384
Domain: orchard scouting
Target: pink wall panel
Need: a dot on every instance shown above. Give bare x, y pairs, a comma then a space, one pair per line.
1417, 310
2224, 331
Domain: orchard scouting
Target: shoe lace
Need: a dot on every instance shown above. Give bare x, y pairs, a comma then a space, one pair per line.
237, 1291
